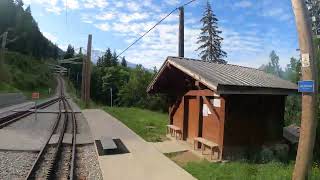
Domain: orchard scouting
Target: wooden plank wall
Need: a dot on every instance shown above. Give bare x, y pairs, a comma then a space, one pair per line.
253, 119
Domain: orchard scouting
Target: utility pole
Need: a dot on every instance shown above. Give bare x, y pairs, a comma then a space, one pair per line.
181, 32
88, 71
309, 71
83, 76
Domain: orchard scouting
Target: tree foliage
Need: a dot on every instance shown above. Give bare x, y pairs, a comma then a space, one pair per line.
209, 39
22, 28
291, 73
128, 84
273, 66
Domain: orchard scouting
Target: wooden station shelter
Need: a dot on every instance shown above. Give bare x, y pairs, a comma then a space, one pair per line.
230, 105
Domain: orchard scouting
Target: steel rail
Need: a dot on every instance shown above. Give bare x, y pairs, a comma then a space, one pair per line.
5, 121
57, 153
74, 133
53, 129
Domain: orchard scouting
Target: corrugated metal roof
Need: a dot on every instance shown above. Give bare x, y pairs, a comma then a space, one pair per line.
234, 75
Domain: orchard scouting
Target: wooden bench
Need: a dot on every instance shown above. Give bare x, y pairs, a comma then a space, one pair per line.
174, 131
204, 142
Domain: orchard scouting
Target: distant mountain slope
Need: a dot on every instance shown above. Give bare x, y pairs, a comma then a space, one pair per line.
22, 28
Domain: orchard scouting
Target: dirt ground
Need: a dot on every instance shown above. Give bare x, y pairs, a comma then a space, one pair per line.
182, 158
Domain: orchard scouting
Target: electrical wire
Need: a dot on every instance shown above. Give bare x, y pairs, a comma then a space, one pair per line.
138, 39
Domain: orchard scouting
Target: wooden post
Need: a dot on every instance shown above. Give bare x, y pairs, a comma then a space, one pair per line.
308, 122
83, 76
181, 32
88, 70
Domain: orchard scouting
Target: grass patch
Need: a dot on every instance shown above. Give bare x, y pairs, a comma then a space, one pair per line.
6, 87
150, 125
243, 170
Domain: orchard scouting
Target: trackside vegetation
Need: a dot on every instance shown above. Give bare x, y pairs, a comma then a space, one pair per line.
205, 170
27, 74
150, 125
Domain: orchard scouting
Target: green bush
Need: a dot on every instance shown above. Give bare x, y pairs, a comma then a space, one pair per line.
27, 74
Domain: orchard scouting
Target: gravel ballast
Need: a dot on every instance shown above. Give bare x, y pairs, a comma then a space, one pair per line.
87, 166
14, 164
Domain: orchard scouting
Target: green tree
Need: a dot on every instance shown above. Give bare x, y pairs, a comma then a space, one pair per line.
273, 66
293, 102
107, 59
114, 59
209, 39
69, 53
124, 62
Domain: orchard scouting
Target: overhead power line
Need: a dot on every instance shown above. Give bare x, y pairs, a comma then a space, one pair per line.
139, 38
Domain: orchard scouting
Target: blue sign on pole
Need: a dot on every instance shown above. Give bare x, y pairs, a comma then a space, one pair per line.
306, 86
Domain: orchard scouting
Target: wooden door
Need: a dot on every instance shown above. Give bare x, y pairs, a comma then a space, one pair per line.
193, 118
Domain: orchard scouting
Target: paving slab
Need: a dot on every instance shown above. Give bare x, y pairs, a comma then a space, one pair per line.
170, 146
22, 140
143, 162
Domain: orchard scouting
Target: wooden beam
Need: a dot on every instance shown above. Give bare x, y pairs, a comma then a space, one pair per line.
204, 92
211, 108
174, 108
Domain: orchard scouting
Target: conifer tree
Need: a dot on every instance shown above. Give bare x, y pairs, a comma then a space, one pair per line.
209, 39
106, 62
124, 62
114, 59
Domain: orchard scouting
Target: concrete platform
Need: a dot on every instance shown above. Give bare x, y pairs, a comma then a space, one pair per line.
22, 140
170, 146
143, 162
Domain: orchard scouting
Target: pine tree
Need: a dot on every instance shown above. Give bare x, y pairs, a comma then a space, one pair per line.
114, 59
209, 39
124, 62
106, 59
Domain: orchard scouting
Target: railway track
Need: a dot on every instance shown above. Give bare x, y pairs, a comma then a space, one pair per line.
57, 160
5, 121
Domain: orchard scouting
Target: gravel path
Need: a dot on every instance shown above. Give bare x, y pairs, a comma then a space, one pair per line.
15, 165
87, 166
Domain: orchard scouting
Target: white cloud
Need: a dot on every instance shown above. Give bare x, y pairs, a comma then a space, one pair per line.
103, 26
133, 6
86, 18
132, 17
119, 4
172, 2
71, 4
51, 37
105, 16
54, 9
278, 13
95, 3
243, 4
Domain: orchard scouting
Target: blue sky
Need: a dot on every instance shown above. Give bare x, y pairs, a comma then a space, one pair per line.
251, 28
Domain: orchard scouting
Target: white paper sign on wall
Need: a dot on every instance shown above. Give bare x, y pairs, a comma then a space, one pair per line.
216, 102
205, 110
305, 60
